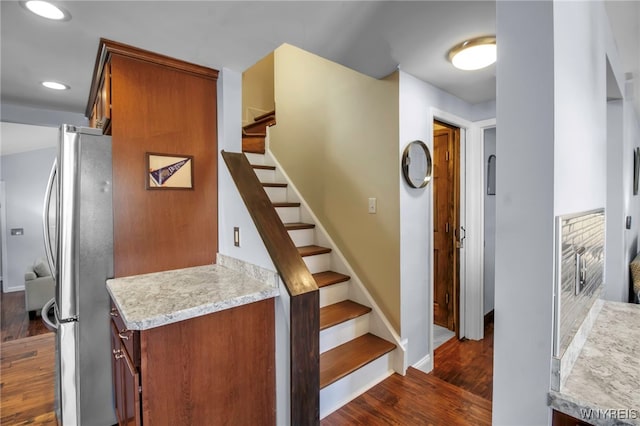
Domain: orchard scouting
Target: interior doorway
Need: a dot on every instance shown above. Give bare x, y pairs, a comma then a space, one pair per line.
446, 222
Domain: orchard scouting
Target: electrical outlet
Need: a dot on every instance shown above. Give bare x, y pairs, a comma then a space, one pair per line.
373, 205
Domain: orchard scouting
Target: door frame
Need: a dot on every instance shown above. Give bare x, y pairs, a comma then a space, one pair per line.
471, 255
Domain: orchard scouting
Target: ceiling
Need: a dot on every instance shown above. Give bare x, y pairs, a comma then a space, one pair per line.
374, 38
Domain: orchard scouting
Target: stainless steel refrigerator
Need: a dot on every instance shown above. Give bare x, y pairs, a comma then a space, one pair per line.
78, 234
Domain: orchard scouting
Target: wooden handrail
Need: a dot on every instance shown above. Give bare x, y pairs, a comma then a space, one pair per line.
283, 252
304, 303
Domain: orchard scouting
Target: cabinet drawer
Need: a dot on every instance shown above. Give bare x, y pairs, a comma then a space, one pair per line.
130, 338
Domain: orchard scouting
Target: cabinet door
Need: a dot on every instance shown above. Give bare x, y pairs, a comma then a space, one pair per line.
118, 371
126, 383
131, 380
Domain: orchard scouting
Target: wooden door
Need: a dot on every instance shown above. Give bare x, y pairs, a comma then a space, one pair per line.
446, 194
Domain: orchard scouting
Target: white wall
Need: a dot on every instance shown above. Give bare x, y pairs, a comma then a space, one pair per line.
25, 176
631, 207
13, 113
616, 276
232, 212
524, 213
417, 101
552, 150
489, 226
580, 107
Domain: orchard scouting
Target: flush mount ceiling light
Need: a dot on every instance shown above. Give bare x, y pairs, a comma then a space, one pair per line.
55, 85
46, 10
474, 54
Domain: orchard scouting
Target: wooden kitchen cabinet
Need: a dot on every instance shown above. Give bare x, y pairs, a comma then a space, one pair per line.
126, 379
100, 116
151, 103
217, 368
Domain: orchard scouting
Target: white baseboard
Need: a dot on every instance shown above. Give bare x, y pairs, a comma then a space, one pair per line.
13, 289
425, 364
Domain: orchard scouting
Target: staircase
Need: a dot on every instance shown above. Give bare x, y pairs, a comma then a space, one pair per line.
352, 358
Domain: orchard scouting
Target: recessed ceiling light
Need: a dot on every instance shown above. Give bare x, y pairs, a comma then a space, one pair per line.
55, 85
46, 10
474, 54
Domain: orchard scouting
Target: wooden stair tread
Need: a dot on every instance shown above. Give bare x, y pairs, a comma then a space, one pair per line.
274, 185
340, 312
259, 125
312, 250
286, 204
263, 167
255, 135
266, 114
292, 226
327, 278
347, 358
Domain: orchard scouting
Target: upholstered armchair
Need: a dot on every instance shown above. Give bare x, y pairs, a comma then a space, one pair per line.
39, 287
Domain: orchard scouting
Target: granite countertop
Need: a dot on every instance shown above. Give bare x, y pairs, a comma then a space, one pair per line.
160, 298
603, 387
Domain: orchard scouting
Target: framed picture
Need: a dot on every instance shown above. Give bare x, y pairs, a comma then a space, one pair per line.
636, 169
169, 171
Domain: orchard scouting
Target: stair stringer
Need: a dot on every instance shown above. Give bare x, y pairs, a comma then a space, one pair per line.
379, 324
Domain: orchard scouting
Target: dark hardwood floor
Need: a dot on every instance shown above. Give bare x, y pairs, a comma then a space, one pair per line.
27, 351
467, 364
27, 378
14, 319
457, 392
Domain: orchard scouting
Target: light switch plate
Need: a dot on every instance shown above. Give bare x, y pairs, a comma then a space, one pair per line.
373, 205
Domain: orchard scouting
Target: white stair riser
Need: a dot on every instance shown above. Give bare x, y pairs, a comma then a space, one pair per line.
255, 158
265, 176
302, 237
276, 195
288, 214
346, 389
318, 263
343, 332
334, 293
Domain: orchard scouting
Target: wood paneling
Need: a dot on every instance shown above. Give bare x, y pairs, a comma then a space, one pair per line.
14, 318
214, 369
164, 110
27, 396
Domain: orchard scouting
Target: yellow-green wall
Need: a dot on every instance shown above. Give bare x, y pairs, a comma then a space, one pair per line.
337, 138
257, 89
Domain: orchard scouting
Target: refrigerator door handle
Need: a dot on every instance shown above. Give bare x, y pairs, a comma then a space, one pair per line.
45, 218
51, 325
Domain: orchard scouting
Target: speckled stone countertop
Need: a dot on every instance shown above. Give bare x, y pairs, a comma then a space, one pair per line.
160, 298
603, 387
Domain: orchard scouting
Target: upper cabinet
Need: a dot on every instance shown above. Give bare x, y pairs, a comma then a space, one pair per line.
100, 116
153, 104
